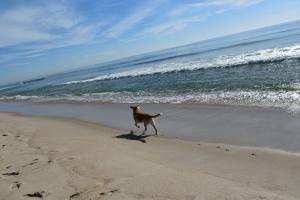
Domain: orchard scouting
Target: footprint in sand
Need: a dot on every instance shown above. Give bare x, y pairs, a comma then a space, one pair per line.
32, 163
227, 150
110, 192
16, 185
91, 195
74, 195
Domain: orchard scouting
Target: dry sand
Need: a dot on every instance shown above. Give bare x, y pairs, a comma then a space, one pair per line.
68, 159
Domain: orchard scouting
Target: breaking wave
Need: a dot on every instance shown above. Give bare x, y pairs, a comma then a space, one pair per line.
257, 57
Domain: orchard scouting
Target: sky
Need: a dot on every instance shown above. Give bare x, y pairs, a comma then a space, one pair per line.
39, 37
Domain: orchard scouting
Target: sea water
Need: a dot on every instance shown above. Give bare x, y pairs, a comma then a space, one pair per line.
259, 67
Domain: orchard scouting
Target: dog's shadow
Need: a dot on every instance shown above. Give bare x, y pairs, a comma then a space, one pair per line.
132, 136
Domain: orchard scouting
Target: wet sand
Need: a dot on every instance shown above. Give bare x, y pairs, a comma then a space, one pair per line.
57, 158
273, 128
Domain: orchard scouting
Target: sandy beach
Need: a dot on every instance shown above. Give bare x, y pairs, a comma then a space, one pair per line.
150, 100
56, 158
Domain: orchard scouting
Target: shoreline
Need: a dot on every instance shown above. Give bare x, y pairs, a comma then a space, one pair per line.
233, 125
160, 136
275, 107
63, 158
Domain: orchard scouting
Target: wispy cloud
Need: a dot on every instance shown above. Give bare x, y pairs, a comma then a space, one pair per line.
225, 4
171, 26
185, 14
30, 30
136, 17
34, 23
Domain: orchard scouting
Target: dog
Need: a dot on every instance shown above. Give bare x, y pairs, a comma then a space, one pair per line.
145, 118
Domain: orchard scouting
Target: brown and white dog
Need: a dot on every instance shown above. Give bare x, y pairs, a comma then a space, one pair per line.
145, 118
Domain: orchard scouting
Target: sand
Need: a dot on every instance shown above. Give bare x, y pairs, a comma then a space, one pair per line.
271, 127
55, 158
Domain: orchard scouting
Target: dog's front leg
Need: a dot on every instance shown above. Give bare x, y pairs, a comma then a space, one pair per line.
145, 125
137, 125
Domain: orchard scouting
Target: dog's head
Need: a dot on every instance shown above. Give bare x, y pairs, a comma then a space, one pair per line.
135, 108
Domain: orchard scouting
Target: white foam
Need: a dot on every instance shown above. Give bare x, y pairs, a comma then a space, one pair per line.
289, 100
267, 55
19, 97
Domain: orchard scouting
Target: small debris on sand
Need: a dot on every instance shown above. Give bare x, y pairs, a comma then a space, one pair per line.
227, 150
32, 163
109, 192
36, 194
74, 195
4, 135
11, 174
18, 185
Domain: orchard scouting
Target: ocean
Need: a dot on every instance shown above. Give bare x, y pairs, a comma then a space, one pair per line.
259, 67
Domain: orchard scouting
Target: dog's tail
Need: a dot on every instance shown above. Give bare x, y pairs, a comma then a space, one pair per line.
155, 116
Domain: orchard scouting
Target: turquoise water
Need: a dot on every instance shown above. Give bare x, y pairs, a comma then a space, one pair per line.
259, 67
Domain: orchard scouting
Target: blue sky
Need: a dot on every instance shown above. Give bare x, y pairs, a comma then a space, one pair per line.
43, 37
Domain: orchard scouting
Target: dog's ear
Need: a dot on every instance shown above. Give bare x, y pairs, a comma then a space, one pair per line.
131, 107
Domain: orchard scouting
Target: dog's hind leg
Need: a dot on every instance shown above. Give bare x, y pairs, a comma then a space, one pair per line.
145, 125
152, 122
